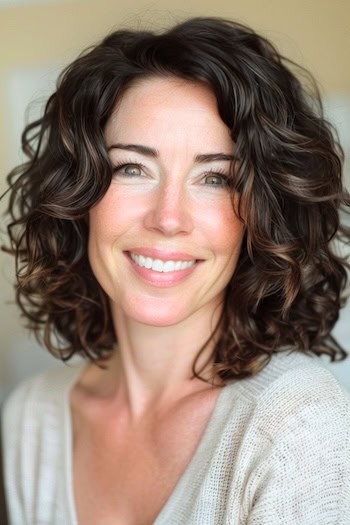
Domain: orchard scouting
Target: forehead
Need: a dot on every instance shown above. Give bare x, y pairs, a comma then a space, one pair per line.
168, 109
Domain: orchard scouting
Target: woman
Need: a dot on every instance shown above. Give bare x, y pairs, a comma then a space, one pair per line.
173, 226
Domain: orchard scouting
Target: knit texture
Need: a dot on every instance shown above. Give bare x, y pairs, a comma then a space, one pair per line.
276, 450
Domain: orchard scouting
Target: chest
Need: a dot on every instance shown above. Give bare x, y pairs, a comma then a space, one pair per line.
125, 477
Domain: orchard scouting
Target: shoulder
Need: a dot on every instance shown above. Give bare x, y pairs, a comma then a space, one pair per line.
37, 397
300, 411
34, 433
298, 376
295, 390
298, 441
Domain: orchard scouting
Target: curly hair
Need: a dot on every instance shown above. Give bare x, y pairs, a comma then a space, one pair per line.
288, 285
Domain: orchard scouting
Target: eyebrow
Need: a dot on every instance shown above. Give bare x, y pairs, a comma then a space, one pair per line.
154, 153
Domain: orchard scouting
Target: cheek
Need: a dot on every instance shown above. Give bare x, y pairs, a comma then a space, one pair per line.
104, 229
101, 216
112, 215
122, 207
224, 230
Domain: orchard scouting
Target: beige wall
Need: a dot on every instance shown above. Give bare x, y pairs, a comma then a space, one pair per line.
315, 33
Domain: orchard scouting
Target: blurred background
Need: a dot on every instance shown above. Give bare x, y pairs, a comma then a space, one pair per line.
38, 38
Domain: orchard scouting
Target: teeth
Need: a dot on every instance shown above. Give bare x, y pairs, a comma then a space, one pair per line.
161, 266
147, 262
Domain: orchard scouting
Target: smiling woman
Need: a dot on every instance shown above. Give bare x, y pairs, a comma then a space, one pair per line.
173, 209
173, 226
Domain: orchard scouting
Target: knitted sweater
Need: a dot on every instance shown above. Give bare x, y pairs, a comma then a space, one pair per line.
276, 450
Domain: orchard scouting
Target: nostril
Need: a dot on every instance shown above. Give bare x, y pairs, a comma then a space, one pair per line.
169, 221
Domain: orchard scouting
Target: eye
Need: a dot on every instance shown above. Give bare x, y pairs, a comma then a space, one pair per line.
217, 180
128, 170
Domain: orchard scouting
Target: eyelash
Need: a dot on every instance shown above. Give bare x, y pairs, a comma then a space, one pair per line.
117, 167
220, 172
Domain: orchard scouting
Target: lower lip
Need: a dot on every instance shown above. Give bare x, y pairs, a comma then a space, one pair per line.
161, 279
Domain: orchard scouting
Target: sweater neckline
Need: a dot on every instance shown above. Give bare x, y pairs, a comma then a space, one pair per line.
179, 489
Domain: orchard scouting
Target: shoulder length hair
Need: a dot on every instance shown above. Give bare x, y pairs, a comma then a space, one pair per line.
287, 289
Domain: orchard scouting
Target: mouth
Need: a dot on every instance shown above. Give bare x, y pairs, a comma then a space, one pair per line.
159, 265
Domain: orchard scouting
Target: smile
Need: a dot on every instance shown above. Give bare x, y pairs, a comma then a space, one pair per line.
161, 266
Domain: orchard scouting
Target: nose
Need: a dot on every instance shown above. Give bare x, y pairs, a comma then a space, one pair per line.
169, 211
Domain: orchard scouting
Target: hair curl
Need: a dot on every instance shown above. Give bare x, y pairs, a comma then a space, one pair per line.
286, 291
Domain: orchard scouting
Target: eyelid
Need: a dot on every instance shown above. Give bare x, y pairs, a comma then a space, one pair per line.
228, 181
220, 172
122, 164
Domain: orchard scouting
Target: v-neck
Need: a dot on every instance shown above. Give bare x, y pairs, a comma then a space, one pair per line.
180, 486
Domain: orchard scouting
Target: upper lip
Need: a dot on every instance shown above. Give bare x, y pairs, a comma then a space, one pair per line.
163, 254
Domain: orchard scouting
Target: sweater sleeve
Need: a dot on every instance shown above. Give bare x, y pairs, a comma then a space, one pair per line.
12, 430
304, 476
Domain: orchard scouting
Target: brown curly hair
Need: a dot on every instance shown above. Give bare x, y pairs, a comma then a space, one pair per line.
286, 291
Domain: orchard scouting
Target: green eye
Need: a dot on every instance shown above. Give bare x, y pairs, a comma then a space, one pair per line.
128, 170
132, 171
215, 180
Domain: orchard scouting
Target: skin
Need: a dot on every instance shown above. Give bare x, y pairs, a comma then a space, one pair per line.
171, 203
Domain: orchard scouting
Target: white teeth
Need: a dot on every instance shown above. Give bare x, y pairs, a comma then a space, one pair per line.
157, 265
161, 266
148, 262
169, 266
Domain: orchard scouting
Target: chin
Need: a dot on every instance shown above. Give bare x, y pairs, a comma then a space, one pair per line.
156, 318
164, 314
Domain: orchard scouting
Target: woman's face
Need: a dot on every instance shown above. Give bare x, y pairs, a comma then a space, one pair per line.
164, 240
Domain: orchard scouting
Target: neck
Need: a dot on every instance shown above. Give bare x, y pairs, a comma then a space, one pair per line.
152, 366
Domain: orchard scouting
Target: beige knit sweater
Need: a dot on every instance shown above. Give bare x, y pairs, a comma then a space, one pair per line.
276, 451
